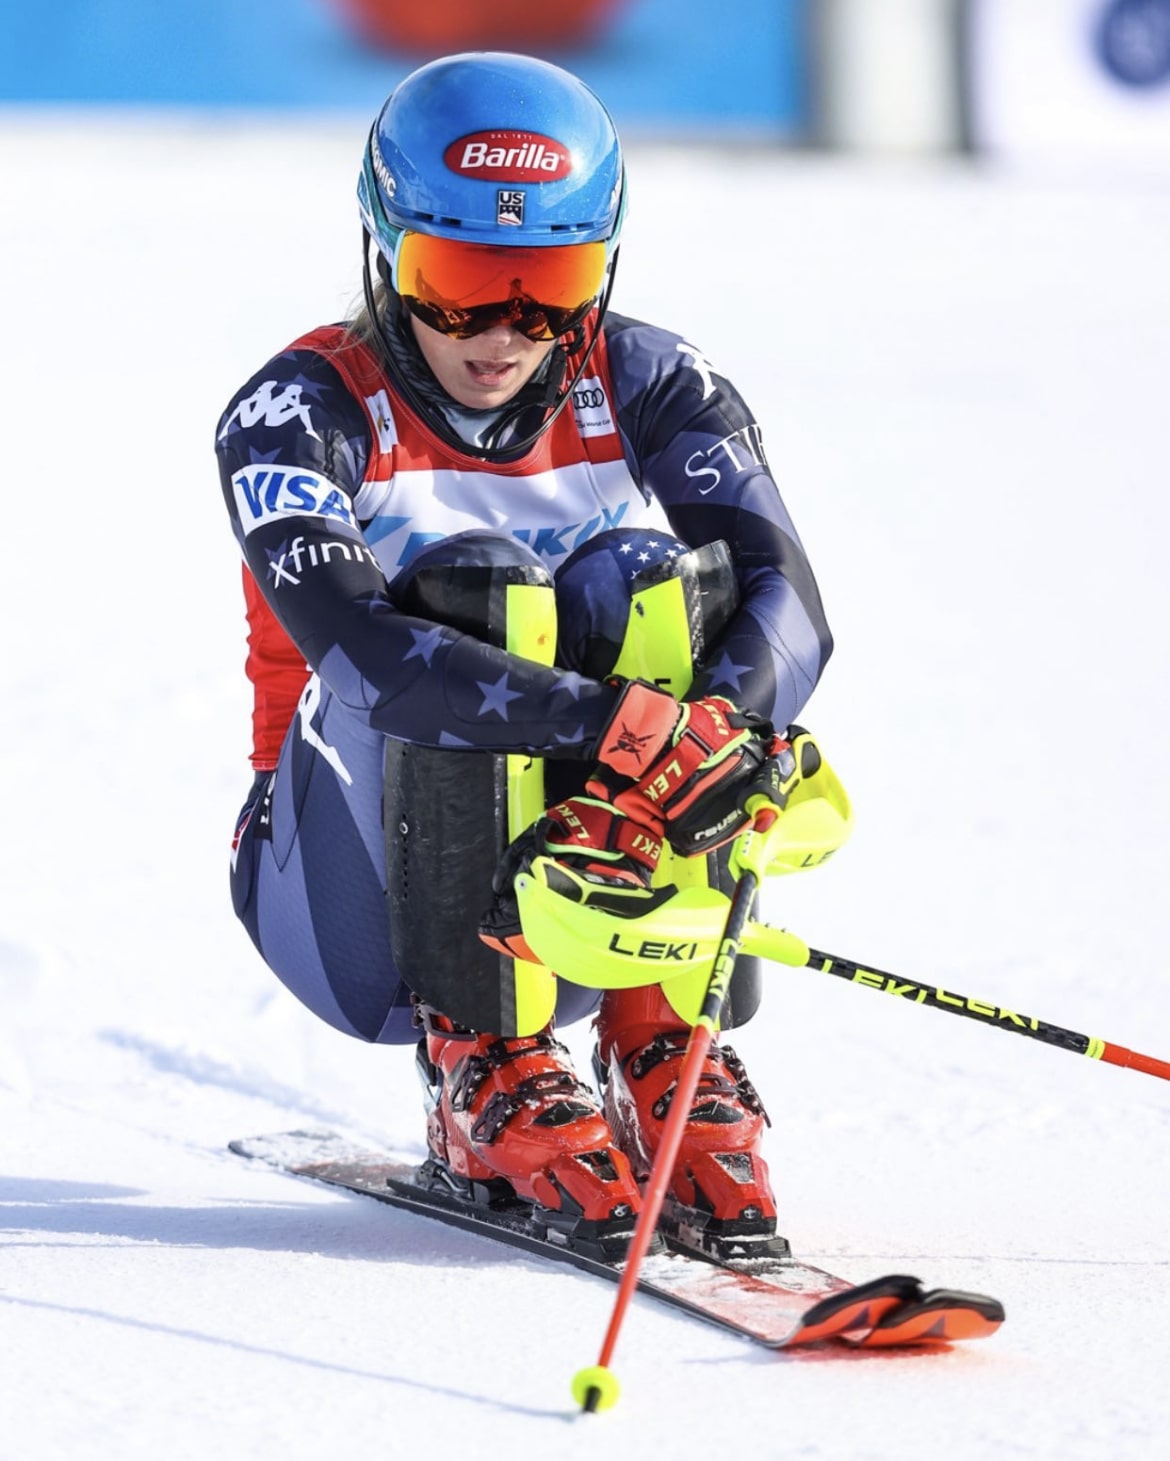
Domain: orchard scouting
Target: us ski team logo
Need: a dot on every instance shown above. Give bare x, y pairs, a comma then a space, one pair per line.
510, 206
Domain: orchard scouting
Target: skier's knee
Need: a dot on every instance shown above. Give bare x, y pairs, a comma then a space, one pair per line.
462, 581
640, 602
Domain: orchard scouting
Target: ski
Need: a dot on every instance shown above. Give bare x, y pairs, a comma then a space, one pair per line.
773, 1301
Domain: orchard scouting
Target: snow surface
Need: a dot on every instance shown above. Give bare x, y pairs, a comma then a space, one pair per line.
962, 376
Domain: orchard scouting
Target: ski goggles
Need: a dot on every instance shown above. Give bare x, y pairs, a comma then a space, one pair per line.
462, 289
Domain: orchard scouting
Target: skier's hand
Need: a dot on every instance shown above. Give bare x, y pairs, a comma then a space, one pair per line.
591, 835
596, 844
685, 770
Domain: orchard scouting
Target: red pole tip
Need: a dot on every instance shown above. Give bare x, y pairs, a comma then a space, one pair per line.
1119, 1055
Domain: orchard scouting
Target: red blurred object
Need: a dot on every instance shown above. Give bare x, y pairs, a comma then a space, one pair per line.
442, 26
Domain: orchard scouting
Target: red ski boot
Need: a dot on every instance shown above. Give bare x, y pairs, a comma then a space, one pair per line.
720, 1199
508, 1118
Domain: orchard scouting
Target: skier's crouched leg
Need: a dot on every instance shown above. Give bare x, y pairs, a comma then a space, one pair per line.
639, 603
642, 604
307, 879
506, 1110
445, 812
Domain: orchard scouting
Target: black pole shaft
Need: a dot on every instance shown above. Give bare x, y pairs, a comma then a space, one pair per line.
724, 967
938, 998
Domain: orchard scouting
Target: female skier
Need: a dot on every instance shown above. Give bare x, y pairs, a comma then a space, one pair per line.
449, 508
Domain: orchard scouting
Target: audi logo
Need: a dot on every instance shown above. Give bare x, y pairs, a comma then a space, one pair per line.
584, 400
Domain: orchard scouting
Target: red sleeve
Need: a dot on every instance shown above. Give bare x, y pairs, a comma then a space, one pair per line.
278, 672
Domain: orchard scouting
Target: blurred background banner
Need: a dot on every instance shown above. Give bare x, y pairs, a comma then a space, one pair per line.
662, 66
1032, 79
1071, 79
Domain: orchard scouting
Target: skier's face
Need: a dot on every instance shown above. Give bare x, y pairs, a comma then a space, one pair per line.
485, 371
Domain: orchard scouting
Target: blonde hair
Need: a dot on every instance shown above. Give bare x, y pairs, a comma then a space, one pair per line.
362, 325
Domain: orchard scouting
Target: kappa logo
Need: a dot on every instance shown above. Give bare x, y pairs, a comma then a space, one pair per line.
509, 157
702, 366
273, 408
591, 408
307, 708
264, 494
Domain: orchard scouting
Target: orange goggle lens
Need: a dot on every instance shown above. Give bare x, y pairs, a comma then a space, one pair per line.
462, 289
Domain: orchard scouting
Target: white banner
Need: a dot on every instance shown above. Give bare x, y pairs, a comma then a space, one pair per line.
1071, 78
886, 74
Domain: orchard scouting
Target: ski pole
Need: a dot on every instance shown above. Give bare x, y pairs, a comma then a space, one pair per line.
777, 944
596, 1387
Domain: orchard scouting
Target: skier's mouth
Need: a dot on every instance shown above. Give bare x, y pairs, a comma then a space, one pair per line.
490, 374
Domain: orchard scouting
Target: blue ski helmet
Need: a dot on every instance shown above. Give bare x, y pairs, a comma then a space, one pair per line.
493, 148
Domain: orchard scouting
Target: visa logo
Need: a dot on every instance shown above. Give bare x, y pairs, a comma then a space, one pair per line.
264, 494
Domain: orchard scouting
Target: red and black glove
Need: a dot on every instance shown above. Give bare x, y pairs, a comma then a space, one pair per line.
598, 846
685, 769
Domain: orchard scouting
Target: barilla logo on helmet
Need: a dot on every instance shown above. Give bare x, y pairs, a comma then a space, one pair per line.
513, 157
